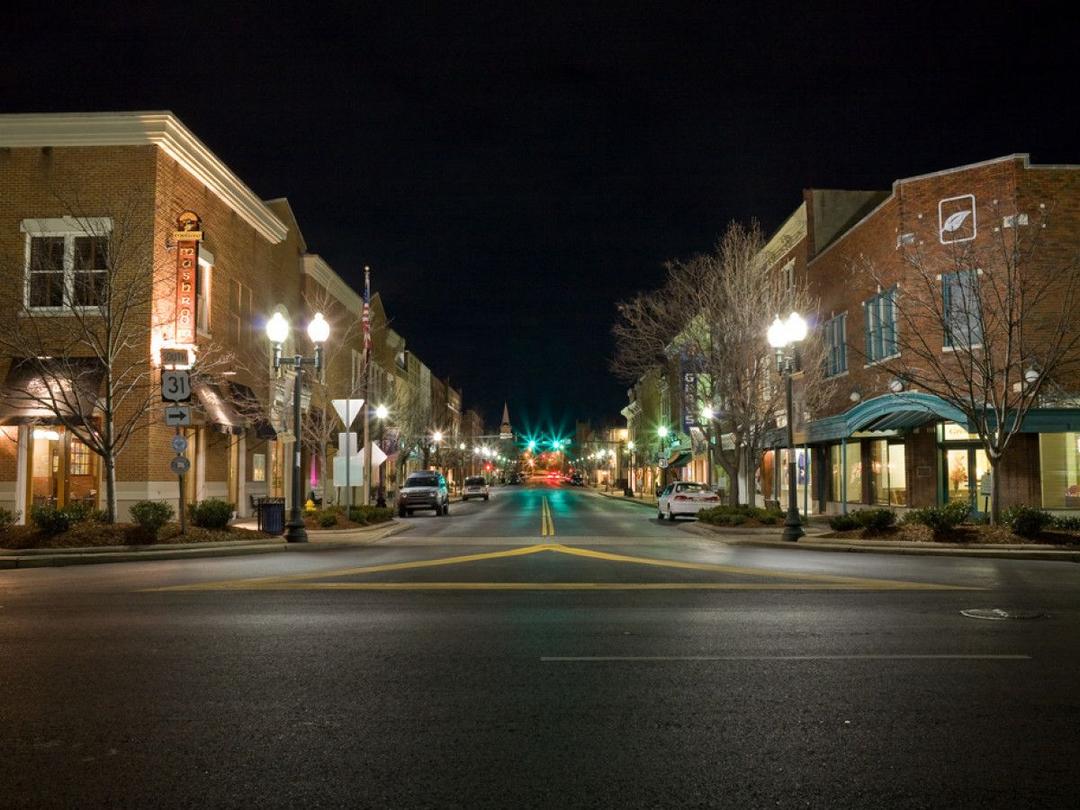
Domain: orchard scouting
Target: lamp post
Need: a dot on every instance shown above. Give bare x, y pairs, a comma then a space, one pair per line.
381, 413
630, 469
662, 434
783, 335
277, 330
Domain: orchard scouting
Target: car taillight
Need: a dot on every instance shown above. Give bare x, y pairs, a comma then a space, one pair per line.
712, 498
681, 498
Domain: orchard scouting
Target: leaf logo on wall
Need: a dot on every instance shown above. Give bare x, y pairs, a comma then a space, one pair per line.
954, 222
956, 219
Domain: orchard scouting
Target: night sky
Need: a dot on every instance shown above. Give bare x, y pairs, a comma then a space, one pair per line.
511, 170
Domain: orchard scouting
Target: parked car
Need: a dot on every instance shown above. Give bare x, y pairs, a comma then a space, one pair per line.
475, 487
424, 490
577, 480
515, 479
684, 498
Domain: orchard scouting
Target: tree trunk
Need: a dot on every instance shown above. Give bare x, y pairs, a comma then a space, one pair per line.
995, 490
110, 489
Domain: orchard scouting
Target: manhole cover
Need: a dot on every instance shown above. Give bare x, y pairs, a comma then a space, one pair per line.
999, 615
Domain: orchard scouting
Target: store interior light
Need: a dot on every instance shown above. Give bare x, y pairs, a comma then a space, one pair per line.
43, 434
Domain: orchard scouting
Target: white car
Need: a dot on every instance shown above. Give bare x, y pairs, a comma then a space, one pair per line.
476, 486
685, 498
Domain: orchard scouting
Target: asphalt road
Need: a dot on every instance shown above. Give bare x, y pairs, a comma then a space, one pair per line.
499, 657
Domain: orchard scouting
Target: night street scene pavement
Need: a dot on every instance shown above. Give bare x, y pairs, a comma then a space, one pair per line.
539, 405
481, 661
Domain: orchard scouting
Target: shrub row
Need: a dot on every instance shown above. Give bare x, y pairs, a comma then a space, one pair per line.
738, 515
870, 521
52, 520
940, 519
361, 514
7, 517
150, 516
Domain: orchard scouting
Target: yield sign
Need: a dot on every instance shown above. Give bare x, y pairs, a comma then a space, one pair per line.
348, 410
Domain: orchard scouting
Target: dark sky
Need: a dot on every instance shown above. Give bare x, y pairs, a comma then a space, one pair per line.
511, 170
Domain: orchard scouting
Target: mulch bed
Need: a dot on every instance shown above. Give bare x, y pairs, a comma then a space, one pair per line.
90, 534
962, 535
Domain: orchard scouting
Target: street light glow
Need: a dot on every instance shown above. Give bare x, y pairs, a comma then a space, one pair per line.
437, 436
381, 412
277, 328
318, 330
662, 431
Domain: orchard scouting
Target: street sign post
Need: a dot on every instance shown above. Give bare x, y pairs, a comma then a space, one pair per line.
180, 465
179, 443
176, 386
177, 415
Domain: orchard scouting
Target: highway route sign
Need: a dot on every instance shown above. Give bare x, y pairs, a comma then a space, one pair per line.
177, 416
176, 386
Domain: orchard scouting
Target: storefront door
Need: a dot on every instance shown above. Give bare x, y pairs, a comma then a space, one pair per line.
62, 469
965, 468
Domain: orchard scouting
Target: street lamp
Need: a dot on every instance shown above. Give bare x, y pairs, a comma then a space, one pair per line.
630, 477
277, 330
381, 412
783, 335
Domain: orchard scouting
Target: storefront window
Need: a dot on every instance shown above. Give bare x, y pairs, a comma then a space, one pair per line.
1059, 461
888, 476
846, 470
803, 479
965, 471
258, 466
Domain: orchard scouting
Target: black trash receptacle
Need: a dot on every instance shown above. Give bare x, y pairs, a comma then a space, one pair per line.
271, 513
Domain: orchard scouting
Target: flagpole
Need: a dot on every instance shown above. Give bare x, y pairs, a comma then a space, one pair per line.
367, 386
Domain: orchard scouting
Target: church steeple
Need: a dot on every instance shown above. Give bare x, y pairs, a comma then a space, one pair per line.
504, 429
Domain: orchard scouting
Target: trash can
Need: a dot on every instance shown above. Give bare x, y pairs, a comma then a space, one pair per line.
271, 512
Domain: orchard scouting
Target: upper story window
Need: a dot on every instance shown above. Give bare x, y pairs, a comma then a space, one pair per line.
203, 290
881, 325
961, 309
836, 345
67, 262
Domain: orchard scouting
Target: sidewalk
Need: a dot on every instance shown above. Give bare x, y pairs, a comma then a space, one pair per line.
318, 540
640, 499
814, 541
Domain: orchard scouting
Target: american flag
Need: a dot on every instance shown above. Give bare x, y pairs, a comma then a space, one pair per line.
366, 318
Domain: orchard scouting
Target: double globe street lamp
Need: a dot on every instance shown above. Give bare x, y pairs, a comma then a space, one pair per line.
277, 330
783, 335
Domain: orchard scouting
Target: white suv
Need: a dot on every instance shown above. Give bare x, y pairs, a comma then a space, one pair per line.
475, 487
684, 498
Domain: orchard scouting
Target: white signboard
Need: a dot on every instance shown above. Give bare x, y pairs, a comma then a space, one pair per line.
176, 386
177, 416
348, 410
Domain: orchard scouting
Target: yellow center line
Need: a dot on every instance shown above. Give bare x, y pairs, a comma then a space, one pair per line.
547, 525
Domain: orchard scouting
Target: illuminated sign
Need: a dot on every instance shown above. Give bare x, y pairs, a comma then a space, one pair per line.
187, 236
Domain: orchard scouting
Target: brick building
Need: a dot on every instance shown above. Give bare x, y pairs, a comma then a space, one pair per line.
880, 439
95, 196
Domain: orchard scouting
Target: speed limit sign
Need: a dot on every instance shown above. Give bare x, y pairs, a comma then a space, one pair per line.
176, 386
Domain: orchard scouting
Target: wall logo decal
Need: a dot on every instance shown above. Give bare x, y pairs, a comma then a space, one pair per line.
956, 219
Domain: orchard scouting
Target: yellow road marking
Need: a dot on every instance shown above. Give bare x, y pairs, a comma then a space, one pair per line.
731, 569
547, 525
884, 585
807, 581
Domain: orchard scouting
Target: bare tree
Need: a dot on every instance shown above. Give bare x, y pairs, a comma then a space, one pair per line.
712, 315
410, 415
341, 378
80, 322
989, 325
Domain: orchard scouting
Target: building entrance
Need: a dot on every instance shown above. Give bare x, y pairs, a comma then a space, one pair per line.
63, 471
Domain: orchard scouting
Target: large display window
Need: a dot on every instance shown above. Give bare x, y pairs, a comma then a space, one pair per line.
846, 472
1059, 468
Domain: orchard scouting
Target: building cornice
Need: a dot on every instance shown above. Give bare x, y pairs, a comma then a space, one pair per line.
161, 129
786, 237
323, 274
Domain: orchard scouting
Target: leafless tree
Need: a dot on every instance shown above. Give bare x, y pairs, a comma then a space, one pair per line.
341, 378
711, 317
79, 317
989, 325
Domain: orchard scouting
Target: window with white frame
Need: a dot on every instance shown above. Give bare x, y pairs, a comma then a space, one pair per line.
67, 262
881, 325
836, 345
961, 309
202, 295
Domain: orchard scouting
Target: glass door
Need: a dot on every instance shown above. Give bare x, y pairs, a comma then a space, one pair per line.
966, 470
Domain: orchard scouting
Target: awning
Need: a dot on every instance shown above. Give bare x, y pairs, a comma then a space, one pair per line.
255, 413
41, 391
217, 410
680, 459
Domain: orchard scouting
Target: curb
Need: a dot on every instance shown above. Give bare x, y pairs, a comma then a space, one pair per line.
985, 552
52, 558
